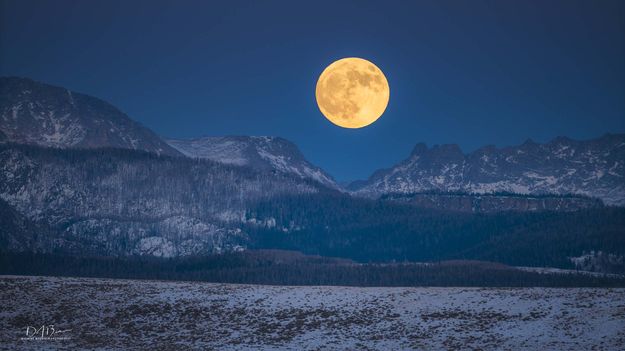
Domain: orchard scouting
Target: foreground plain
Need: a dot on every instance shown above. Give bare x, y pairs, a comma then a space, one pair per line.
129, 314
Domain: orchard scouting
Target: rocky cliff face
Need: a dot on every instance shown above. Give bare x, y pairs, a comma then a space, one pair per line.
594, 168
262, 153
42, 114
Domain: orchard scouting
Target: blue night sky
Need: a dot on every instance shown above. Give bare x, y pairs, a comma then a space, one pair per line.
466, 72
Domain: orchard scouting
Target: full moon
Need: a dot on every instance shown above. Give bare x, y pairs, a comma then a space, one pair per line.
352, 92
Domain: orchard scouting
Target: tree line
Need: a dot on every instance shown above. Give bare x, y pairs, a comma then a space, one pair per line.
259, 268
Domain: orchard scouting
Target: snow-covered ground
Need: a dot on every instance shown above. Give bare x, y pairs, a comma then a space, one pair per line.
551, 270
131, 314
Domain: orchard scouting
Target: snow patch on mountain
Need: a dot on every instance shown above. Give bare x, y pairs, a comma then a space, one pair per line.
156, 246
599, 261
259, 152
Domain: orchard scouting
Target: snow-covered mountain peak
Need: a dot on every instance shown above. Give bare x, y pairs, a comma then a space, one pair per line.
46, 115
594, 168
259, 152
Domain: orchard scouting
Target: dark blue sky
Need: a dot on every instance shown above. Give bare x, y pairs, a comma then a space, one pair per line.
466, 72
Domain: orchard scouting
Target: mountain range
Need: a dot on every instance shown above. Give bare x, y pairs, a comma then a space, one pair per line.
594, 168
79, 176
45, 115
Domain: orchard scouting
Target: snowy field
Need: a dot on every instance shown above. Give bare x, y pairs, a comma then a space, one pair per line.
131, 314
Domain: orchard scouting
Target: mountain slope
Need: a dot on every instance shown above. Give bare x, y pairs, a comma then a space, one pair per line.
18, 233
123, 202
46, 115
593, 168
259, 152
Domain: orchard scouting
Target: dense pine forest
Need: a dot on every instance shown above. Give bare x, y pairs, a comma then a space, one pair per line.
289, 268
379, 231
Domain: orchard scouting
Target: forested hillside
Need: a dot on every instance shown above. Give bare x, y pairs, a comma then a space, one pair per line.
367, 230
115, 202
123, 202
